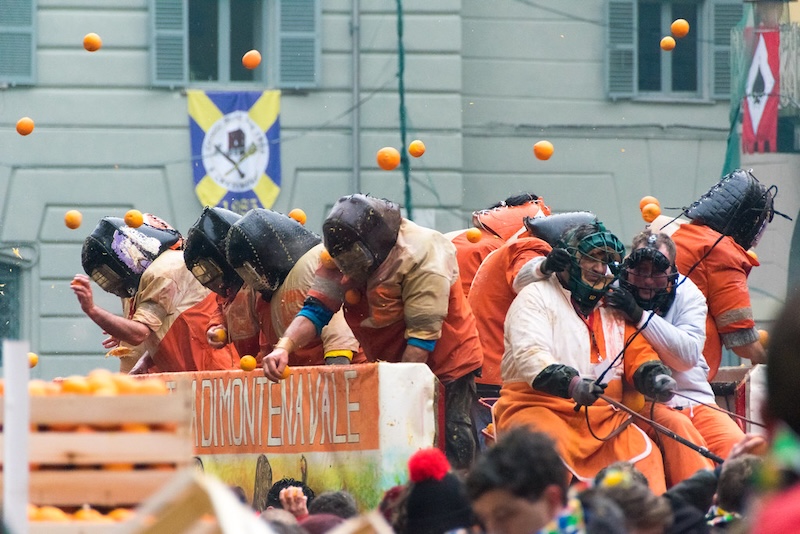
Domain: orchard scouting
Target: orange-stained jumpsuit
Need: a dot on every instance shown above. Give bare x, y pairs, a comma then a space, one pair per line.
176, 307
543, 329
492, 294
497, 225
722, 277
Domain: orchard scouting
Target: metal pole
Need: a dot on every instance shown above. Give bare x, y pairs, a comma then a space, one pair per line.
401, 67
355, 32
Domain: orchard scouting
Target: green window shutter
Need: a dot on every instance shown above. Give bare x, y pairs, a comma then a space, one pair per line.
169, 42
298, 43
725, 15
18, 42
621, 49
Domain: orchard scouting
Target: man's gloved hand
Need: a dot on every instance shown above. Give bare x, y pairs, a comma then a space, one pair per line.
585, 391
622, 299
556, 261
664, 387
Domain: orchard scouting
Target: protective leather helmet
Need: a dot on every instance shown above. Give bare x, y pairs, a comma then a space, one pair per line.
505, 219
552, 228
115, 255
359, 233
264, 245
591, 242
738, 206
205, 252
663, 272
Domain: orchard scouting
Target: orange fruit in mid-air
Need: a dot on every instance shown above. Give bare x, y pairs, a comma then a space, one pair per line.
326, 260
92, 42
650, 212
298, 215
667, 43
543, 150
33, 359
25, 126
388, 158
679, 28
352, 296
648, 200
134, 218
416, 148
763, 337
474, 235
248, 363
251, 59
73, 219
286, 372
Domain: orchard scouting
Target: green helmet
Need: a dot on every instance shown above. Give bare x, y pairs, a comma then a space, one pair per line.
591, 243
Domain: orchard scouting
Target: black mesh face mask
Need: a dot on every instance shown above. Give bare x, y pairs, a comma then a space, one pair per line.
650, 277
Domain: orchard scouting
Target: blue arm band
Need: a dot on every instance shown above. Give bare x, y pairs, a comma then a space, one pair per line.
424, 344
317, 314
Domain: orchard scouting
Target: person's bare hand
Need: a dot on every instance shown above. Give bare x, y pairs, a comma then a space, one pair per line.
275, 363
749, 444
294, 500
217, 336
110, 342
82, 287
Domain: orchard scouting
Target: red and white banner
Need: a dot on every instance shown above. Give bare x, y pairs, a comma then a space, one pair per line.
760, 109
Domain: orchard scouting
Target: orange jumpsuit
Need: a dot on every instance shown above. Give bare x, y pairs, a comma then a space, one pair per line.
176, 307
722, 277
543, 329
336, 340
492, 294
415, 292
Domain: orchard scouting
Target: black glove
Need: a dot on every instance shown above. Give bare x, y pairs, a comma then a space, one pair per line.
556, 261
664, 388
585, 391
622, 299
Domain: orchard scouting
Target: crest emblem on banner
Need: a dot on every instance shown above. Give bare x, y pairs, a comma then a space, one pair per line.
235, 140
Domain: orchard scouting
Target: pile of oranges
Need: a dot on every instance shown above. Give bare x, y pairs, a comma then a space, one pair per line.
85, 513
98, 382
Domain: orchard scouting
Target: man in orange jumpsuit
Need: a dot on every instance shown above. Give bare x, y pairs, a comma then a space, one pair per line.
238, 305
278, 258
166, 309
497, 225
726, 221
399, 287
563, 348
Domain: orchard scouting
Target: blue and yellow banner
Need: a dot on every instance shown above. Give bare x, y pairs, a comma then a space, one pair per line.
235, 138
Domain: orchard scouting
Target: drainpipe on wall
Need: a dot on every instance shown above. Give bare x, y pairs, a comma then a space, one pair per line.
355, 29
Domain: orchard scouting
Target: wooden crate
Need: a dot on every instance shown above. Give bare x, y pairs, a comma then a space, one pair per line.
74, 466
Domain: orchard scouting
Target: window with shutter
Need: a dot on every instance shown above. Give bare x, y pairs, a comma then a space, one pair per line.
724, 17
697, 68
299, 43
18, 42
203, 41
